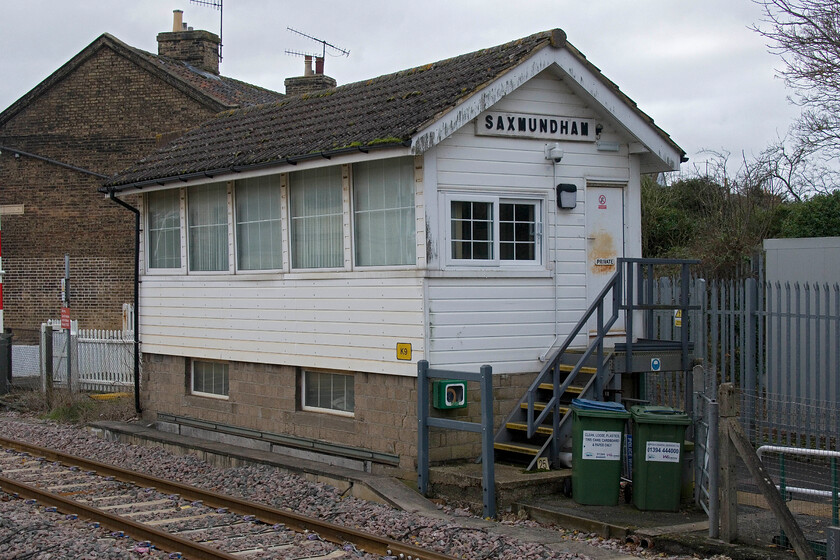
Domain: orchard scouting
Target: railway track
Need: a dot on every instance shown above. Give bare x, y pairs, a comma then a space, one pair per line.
184, 520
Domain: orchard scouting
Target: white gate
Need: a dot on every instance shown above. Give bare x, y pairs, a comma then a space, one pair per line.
103, 359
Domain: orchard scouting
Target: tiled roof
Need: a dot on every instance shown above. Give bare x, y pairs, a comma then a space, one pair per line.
230, 92
381, 112
217, 92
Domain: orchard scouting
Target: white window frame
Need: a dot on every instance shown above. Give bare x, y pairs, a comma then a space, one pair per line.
354, 210
496, 200
310, 408
202, 393
148, 243
282, 217
290, 239
230, 229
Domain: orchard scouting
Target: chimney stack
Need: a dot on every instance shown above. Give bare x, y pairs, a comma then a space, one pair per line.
198, 48
177, 20
310, 82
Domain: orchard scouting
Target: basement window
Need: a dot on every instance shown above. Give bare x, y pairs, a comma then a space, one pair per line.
328, 392
210, 379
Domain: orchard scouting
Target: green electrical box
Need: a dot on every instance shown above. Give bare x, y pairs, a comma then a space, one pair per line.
449, 393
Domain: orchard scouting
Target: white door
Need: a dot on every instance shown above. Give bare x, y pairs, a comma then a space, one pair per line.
604, 241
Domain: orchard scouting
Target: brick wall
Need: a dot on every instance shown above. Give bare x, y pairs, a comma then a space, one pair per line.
266, 398
102, 117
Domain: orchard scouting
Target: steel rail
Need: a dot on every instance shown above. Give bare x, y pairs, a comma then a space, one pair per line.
161, 539
328, 531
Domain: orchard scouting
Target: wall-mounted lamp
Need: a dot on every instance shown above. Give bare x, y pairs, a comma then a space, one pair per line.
607, 146
553, 152
566, 196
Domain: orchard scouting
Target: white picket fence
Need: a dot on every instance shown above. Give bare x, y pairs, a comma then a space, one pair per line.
102, 359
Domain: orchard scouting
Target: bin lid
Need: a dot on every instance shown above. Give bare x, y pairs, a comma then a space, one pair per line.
649, 414
588, 405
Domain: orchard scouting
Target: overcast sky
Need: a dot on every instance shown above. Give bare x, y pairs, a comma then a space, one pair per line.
695, 67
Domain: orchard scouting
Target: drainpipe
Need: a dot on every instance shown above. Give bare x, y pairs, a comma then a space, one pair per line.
136, 297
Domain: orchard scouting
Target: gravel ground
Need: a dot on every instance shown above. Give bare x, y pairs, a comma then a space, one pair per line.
29, 529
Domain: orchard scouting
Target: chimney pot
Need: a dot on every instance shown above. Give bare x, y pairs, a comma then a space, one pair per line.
319, 65
177, 20
307, 65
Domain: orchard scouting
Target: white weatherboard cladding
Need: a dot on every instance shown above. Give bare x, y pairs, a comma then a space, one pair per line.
505, 317
348, 324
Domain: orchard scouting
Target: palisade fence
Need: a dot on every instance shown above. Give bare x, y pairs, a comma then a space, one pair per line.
779, 343
103, 360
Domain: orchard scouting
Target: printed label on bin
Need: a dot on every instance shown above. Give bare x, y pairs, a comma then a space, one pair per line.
662, 452
601, 446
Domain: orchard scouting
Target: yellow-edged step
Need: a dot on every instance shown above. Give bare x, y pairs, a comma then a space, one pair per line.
523, 448
570, 389
521, 426
584, 369
540, 406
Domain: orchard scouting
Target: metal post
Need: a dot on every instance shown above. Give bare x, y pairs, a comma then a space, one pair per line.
685, 280
751, 315
422, 427
783, 540
47, 345
713, 464
835, 516
488, 477
70, 384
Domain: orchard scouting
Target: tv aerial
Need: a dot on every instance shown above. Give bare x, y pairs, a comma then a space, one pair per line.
216, 5
324, 46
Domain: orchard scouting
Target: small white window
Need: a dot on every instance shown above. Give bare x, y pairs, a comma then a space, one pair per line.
209, 379
489, 231
164, 229
328, 392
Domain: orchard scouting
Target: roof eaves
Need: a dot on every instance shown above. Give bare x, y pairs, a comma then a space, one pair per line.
110, 186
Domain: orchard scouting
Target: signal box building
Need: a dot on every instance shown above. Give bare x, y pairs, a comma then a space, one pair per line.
299, 257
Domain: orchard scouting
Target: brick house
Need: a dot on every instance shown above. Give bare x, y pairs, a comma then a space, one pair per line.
108, 106
300, 257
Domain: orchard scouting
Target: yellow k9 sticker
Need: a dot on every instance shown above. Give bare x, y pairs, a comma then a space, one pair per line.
403, 350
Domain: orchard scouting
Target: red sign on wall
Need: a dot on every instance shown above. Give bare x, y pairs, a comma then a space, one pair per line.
65, 317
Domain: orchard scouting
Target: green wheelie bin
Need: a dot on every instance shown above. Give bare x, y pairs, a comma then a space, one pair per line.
597, 436
658, 436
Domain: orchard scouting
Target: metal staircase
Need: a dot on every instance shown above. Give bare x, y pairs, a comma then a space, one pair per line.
540, 424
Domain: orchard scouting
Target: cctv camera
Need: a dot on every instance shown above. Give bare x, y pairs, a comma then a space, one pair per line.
553, 152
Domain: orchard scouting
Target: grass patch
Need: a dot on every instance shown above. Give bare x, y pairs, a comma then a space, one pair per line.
71, 408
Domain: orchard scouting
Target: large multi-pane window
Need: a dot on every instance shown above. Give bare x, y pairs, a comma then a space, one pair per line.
210, 378
164, 229
328, 392
258, 226
383, 207
207, 211
317, 217
489, 231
